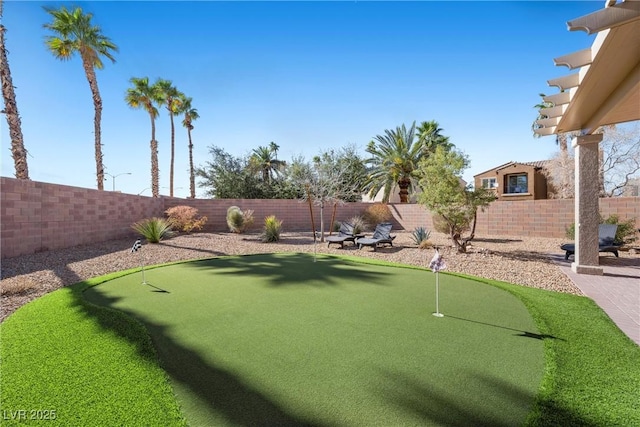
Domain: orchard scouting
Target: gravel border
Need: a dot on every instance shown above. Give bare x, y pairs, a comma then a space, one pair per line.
525, 261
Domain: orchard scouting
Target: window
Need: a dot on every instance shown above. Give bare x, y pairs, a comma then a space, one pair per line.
517, 184
489, 183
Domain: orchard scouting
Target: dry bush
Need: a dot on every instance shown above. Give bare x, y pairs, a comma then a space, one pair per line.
185, 218
16, 287
377, 213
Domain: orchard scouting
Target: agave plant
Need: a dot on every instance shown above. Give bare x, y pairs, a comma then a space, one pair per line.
153, 229
420, 235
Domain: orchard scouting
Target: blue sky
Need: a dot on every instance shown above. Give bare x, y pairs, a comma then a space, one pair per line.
310, 76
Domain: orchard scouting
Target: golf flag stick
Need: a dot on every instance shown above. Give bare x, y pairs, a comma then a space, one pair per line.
136, 247
437, 264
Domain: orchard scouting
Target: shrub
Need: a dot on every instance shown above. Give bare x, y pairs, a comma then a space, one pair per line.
153, 229
272, 229
625, 233
377, 213
239, 221
442, 226
421, 237
359, 224
184, 218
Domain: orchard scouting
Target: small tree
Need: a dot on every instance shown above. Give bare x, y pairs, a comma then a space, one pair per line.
328, 181
444, 194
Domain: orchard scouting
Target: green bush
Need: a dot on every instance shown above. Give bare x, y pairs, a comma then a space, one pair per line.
420, 235
442, 226
239, 221
184, 218
153, 229
272, 229
625, 234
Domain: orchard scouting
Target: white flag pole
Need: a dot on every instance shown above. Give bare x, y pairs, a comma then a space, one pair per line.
136, 248
437, 313
437, 264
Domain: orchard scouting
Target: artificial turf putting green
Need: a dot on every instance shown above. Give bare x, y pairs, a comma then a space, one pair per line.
278, 339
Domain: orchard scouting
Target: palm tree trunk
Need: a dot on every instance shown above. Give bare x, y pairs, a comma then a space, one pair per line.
173, 150
404, 191
155, 179
18, 151
192, 175
97, 105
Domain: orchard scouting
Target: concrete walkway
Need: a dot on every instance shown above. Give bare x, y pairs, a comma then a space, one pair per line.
617, 292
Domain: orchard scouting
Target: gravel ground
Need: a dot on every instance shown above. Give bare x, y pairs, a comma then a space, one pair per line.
524, 261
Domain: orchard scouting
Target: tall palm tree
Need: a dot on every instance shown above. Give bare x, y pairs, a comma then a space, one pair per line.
264, 160
145, 96
18, 151
73, 32
190, 114
171, 99
394, 160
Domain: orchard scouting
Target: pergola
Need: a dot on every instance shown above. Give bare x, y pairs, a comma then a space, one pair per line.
605, 90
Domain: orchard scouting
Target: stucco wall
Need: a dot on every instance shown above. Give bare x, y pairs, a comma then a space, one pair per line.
36, 216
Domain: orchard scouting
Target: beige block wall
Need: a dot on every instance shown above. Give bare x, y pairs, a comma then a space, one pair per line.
37, 216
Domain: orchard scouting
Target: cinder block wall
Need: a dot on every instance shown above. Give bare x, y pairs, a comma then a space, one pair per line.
36, 216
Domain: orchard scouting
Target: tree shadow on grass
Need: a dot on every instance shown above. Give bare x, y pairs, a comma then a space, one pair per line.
435, 405
295, 269
224, 393
522, 333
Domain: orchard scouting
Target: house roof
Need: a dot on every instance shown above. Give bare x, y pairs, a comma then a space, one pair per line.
606, 88
537, 164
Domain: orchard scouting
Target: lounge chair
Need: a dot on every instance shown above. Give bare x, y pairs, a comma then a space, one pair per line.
345, 234
381, 236
606, 241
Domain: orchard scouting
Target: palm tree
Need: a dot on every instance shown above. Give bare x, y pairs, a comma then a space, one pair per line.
73, 32
190, 114
171, 100
18, 151
264, 160
430, 136
144, 96
395, 157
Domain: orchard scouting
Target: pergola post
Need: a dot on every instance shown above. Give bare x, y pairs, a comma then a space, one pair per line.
587, 203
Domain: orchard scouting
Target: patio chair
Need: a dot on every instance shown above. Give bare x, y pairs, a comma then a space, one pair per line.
345, 234
381, 236
606, 241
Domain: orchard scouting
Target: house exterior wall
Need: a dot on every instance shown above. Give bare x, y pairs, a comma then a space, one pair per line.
37, 216
536, 182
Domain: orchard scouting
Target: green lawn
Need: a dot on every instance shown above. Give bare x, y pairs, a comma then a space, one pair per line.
281, 339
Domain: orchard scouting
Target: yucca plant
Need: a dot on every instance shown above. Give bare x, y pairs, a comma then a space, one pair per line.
420, 237
239, 221
272, 229
359, 224
153, 229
